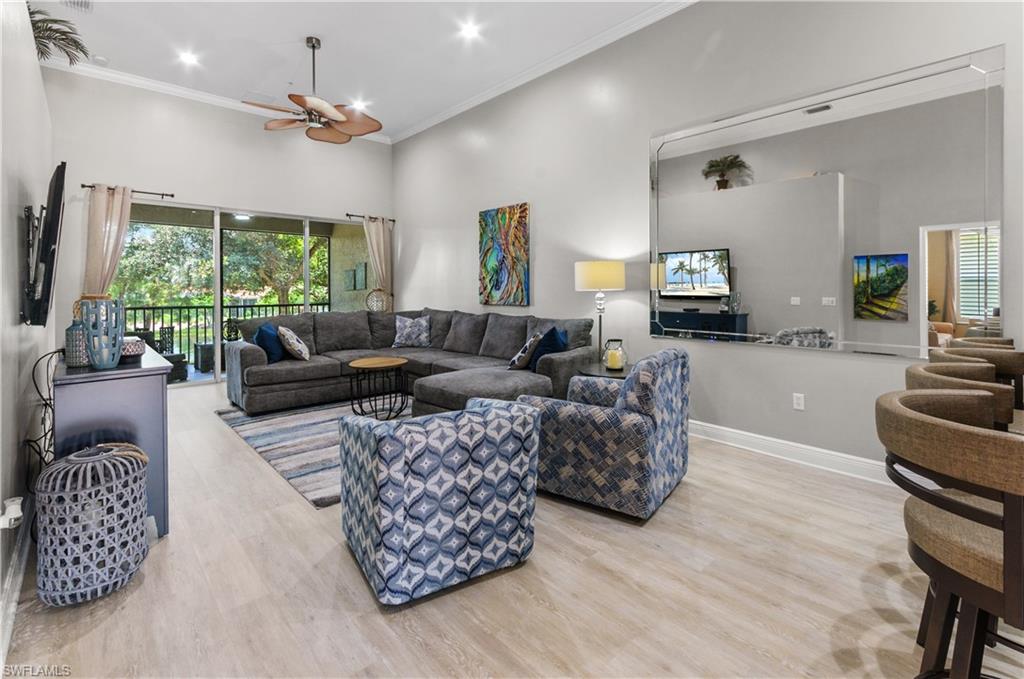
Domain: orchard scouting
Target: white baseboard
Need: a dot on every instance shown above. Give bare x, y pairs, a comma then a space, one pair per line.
820, 458
12, 580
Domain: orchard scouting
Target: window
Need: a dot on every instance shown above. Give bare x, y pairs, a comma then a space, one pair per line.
978, 264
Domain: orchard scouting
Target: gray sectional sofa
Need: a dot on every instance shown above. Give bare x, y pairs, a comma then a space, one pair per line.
468, 357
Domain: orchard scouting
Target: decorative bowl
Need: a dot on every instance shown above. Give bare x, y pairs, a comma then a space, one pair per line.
132, 350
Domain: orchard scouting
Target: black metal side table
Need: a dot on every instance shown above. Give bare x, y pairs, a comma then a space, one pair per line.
379, 387
598, 370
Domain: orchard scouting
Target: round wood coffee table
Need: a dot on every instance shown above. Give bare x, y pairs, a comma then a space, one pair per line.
379, 387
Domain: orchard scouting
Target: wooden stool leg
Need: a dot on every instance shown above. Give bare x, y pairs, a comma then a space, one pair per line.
993, 631
970, 642
940, 629
926, 614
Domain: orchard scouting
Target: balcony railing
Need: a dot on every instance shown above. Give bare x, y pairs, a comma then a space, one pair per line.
191, 325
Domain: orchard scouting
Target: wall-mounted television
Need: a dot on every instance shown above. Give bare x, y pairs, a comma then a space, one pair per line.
696, 274
41, 260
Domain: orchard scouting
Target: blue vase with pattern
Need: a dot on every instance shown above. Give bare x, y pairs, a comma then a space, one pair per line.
104, 331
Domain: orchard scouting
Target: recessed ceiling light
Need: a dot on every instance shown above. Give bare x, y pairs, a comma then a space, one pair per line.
188, 58
360, 105
243, 218
99, 60
469, 30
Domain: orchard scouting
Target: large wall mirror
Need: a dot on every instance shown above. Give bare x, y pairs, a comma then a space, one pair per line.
864, 219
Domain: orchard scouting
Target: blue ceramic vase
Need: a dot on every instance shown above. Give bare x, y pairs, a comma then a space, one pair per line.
104, 331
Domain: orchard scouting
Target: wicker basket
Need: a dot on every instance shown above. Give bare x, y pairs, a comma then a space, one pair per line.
91, 513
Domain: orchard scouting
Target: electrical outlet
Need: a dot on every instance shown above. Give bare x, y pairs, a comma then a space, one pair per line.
798, 401
828, 301
794, 301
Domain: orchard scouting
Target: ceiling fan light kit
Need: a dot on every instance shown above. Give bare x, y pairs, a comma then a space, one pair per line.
335, 124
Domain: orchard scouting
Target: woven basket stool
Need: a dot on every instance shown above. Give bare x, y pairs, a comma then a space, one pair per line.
91, 513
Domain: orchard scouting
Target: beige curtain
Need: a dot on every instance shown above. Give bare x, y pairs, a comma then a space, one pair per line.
378, 241
109, 210
951, 301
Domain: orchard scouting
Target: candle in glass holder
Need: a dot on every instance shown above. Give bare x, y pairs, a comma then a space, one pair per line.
613, 359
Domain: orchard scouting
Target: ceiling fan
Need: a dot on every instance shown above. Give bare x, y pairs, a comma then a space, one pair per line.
336, 124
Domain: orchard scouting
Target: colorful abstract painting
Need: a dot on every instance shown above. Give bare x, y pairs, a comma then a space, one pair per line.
505, 255
880, 287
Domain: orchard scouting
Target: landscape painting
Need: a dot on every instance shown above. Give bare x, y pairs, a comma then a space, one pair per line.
505, 255
880, 287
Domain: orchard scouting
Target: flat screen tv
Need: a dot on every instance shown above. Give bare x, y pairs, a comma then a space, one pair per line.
44, 239
696, 274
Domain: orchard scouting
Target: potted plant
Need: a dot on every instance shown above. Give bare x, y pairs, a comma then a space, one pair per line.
724, 167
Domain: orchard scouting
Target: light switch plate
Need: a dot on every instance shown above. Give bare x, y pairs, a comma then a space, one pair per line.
794, 301
828, 301
798, 401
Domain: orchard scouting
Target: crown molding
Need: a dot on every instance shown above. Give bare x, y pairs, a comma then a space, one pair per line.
131, 80
617, 32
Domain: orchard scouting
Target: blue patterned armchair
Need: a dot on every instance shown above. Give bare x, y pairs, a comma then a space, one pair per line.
432, 501
619, 444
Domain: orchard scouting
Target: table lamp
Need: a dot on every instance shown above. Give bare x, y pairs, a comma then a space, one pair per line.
600, 276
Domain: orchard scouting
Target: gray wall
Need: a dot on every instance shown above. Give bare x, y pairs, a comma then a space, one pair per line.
27, 164
203, 154
575, 145
926, 160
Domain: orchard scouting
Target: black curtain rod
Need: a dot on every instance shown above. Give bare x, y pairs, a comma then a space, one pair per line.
351, 215
148, 193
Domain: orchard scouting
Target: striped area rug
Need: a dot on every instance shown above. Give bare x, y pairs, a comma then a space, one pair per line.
301, 445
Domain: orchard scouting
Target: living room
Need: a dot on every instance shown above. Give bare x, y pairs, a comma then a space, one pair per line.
518, 174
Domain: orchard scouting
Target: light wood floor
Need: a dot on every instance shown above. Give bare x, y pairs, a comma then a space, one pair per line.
754, 567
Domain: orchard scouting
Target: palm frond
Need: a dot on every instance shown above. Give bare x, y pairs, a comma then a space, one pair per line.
55, 36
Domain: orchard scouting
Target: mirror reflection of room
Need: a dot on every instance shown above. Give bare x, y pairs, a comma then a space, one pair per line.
817, 214
962, 283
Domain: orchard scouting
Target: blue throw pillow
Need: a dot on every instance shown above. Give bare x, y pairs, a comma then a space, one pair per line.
554, 341
266, 339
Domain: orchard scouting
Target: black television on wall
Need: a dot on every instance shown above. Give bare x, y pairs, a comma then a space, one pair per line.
695, 274
41, 260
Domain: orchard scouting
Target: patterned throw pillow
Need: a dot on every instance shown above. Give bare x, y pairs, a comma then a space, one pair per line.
521, 361
292, 344
412, 332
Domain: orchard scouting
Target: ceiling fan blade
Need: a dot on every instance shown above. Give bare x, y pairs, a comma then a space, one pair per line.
328, 134
357, 124
319, 106
284, 124
273, 107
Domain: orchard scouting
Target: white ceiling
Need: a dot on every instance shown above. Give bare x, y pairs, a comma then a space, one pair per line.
406, 59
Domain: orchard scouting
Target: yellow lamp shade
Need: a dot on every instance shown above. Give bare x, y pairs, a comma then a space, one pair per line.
600, 275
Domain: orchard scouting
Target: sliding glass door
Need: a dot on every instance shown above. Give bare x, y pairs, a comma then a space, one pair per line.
165, 278
189, 274
349, 277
